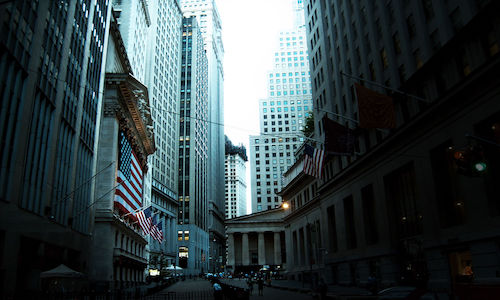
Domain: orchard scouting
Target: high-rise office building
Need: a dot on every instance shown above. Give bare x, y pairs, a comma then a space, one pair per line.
51, 65
236, 183
208, 18
282, 119
193, 187
134, 20
162, 78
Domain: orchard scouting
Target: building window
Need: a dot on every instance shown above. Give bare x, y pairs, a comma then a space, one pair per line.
350, 228
428, 9
410, 24
402, 201
369, 214
450, 209
383, 57
332, 229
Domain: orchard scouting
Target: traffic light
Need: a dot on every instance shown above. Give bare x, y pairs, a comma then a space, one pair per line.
469, 161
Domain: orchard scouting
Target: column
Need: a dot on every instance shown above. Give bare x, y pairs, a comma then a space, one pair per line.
307, 245
172, 236
230, 250
245, 253
277, 248
261, 249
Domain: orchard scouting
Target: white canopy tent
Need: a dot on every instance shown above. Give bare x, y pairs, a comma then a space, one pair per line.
176, 268
61, 271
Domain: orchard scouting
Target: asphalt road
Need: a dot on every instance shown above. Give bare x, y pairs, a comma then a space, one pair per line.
202, 289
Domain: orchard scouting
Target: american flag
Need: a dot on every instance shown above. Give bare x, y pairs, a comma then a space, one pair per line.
144, 219
156, 230
129, 191
313, 161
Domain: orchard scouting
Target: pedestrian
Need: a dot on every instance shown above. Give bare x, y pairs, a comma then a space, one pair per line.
372, 284
260, 284
217, 290
250, 285
322, 288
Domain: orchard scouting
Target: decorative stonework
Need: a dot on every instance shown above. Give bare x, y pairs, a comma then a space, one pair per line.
112, 107
133, 112
145, 111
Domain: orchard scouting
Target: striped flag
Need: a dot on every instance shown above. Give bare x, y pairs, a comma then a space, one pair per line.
144, 219
375, 110
156, 230
313, 161
129, 191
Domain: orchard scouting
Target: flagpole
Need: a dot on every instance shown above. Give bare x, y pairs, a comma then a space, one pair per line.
385, 87
338, 115
133, 212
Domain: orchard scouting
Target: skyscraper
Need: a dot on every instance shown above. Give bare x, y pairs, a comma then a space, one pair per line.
51, 55
236, 183
193, 187
208, 18
134, 20
282, 119
163, 81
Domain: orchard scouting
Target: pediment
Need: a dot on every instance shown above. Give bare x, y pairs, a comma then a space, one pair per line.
272, 215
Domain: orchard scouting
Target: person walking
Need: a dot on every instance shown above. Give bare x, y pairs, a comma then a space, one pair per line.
322, 288
217, 290
260, 284
250, 285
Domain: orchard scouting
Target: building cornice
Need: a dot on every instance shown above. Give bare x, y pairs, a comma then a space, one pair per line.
133, 112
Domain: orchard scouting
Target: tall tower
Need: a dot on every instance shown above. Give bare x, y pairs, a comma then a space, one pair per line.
236, 186
134, 20
163, 81
193, 152
208, 17
51, 70
282, 117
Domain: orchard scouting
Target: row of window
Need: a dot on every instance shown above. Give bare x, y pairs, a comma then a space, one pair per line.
293, 39
285, 109
292, 92
284, 74
285, 102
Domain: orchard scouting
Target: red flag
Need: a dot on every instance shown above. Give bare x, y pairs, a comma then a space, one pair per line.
375, 110
338, 139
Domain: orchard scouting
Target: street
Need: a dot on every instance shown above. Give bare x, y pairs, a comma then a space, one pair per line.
202, 289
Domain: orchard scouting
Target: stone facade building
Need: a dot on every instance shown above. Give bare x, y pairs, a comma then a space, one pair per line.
256, 242
416, 204
119, 258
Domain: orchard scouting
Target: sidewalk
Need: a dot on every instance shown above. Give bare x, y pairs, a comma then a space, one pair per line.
299, 286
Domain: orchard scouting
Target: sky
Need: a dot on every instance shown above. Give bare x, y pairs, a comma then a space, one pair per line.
250, 32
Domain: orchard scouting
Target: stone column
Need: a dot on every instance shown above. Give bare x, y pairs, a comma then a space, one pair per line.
307, 245
261, 249
277, 248
166, 235
230, 250
245, 254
